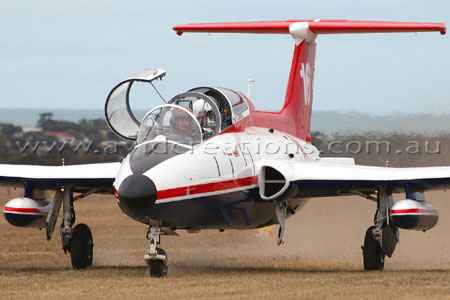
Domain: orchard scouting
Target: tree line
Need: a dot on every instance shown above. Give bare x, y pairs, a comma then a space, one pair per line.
89, 141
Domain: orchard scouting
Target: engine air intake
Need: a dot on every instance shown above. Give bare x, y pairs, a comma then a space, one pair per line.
273, 183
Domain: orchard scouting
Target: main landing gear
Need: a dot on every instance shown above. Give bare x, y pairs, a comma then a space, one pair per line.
372, 253
81, 247
77, 241
380, 240
156, 258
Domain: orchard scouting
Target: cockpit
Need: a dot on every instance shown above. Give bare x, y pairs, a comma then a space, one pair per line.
170, 123
188, 118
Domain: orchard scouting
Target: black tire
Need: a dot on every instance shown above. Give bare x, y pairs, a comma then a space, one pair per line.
81, 247
372, 253
158, 268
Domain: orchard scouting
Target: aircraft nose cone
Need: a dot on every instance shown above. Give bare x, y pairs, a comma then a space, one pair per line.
137, 195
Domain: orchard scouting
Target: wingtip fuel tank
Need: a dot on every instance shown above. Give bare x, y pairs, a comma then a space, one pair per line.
27, 212
414, 215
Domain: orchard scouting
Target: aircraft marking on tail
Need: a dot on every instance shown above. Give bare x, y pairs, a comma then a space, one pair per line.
305, 74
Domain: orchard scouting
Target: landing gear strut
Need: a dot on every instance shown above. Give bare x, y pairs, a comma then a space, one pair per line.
78, 240
156, 257
280, 212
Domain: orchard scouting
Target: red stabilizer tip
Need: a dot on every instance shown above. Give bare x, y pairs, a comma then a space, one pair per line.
444, 31
179, 33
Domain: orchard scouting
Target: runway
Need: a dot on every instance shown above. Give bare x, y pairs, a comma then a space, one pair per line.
321, 258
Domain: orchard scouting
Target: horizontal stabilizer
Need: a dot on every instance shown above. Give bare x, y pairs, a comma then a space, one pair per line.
315, 26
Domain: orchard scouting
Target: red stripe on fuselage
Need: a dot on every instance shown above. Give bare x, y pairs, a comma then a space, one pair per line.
207, 187
22, 210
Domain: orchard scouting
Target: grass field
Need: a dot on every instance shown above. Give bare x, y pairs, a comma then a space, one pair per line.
321, 258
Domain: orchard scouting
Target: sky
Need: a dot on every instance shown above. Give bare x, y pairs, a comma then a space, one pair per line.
70, 54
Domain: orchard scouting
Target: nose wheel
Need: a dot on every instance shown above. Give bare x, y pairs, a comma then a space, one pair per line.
156, 258
158, 267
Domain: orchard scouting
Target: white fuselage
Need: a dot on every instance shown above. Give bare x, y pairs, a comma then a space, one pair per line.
220, 169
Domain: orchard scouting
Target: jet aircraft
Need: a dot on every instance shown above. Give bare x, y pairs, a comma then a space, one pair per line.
208, 159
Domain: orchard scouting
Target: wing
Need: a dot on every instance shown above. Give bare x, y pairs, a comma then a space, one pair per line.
316, 179
83, 177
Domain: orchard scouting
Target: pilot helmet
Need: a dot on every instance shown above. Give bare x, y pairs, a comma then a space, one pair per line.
179, 114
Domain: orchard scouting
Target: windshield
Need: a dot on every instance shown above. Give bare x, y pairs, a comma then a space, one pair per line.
171, 123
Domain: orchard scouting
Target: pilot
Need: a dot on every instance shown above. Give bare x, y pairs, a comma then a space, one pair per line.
205, 116
181, 123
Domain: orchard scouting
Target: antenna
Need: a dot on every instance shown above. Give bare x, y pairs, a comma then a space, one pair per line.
250, 81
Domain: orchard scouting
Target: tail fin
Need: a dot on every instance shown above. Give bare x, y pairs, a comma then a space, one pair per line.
299, 94
298, 101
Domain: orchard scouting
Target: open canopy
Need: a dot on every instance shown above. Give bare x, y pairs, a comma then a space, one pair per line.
213, 108
117, 108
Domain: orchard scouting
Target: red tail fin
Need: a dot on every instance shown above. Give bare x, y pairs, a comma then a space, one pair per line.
299, 94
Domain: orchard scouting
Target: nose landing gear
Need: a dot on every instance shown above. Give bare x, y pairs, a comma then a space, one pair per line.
156, 258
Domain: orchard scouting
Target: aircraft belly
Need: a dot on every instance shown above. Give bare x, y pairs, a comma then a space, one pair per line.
207, 212
235, 210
